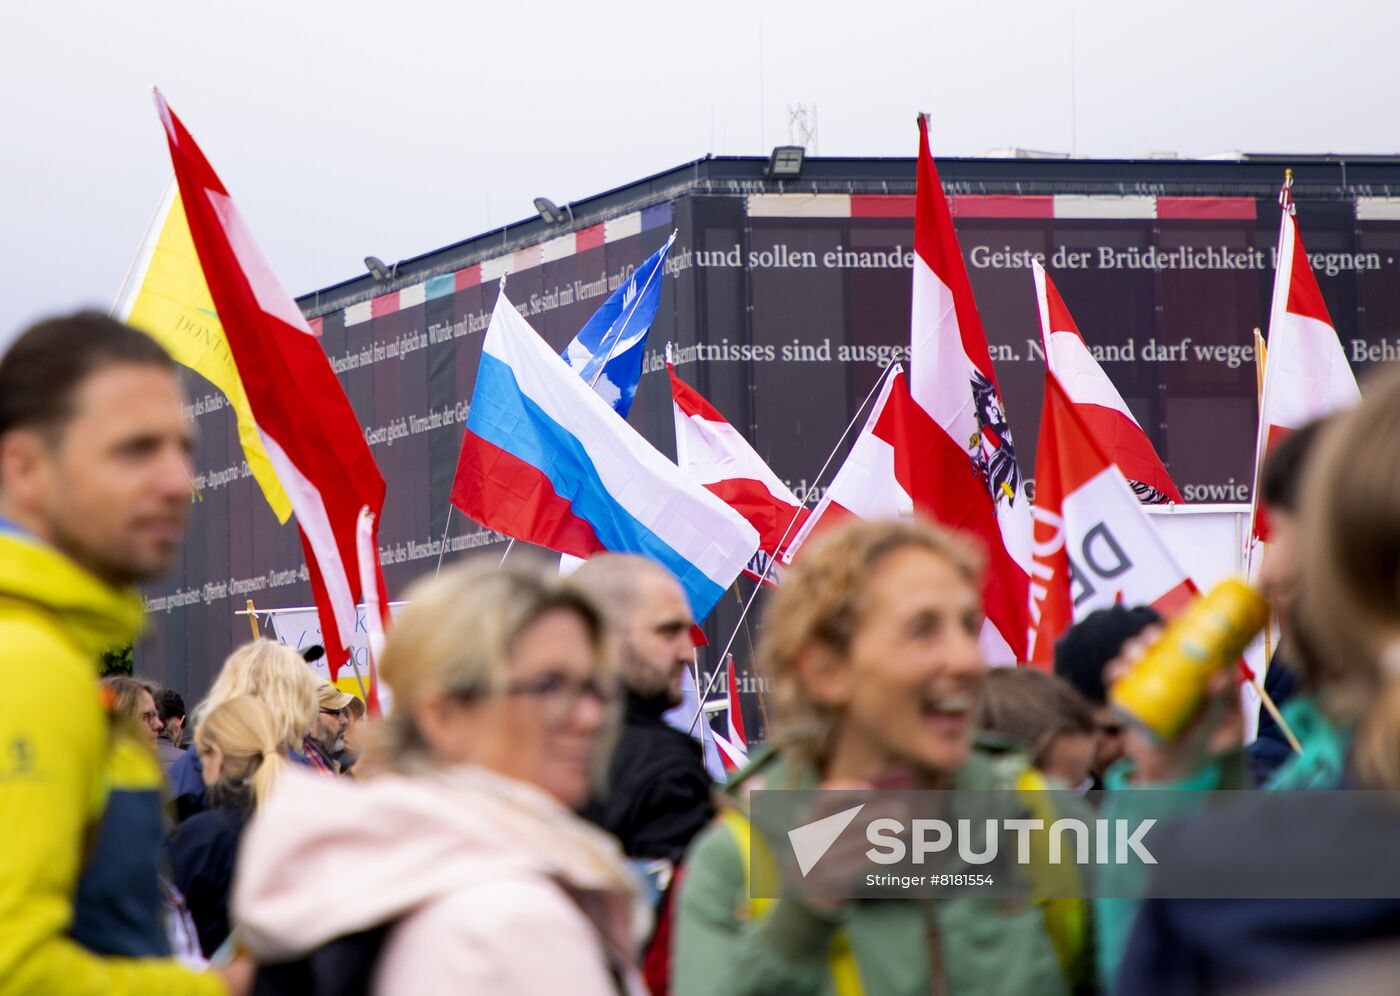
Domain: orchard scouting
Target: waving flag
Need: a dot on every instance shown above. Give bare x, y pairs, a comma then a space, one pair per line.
1306, 374
166, 297
547, 461
969, 479
682, 717
1094, 545
303, 418
733, 744
608, 350
719, 459
1096, 400
866, 486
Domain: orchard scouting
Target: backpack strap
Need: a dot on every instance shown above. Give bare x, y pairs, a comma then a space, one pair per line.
1066, 918
841, 960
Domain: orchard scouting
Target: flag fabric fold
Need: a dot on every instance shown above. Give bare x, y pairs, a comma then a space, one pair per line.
715, 456
1094, 545
608, 351
166, 296
304, 420
1306, 374
733, 744
547, 461
967, 477
866, 485
1096, 400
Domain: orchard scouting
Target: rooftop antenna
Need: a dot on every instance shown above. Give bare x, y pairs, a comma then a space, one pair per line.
802, 127
1073, 84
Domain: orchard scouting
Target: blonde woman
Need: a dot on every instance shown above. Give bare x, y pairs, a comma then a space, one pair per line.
461, 850
277, 676
242, 756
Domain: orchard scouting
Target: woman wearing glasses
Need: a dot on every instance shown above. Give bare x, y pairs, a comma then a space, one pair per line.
459, 859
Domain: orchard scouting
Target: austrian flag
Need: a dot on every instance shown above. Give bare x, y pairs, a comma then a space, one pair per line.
1096, 400
867, 485
966, 477
310, 433
714, 455
1306, 374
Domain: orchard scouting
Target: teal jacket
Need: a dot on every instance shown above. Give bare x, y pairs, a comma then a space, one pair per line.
1320, 766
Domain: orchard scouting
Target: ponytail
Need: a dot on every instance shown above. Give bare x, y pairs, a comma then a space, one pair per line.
244, 731
269, 768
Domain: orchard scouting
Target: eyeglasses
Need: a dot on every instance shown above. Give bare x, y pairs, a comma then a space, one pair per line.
558, 694
150, 718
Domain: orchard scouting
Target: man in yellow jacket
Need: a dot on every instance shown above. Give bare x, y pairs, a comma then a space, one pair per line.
94, 493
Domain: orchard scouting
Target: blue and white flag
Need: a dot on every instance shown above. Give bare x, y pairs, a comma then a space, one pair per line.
547, 461
607, 352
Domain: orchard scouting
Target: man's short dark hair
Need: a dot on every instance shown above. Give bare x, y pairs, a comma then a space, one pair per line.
169, 705
1281, 481
44, 367
1086, 647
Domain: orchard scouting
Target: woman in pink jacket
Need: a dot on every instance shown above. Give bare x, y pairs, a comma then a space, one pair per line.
458, 865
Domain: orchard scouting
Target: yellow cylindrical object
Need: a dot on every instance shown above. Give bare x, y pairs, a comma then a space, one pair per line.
1164, 689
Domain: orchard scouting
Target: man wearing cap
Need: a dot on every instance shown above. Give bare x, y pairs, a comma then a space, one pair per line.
1090, 655
327, 737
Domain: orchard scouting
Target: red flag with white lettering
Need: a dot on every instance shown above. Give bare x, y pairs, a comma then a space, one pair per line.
1094, 545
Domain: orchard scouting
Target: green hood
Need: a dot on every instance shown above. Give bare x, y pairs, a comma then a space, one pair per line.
95, 616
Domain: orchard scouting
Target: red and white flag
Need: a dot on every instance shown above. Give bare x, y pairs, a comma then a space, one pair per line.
1096, 400
866, 486
1306, 374
1094, 544
714, 455
311, 434
968, 480
734, 748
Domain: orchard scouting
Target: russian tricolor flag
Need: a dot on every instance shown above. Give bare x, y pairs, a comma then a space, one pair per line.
547, 461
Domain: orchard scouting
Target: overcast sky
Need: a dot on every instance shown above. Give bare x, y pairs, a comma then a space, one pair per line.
347, 129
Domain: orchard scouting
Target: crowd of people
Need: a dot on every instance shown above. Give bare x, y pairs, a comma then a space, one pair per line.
525, 820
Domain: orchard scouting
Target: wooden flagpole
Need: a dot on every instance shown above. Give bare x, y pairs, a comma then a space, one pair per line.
252, 613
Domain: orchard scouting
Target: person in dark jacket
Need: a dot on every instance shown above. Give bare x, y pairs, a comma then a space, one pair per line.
241, 754
657, 795
170, 741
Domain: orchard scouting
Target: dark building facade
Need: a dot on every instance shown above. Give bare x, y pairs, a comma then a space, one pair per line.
785, 299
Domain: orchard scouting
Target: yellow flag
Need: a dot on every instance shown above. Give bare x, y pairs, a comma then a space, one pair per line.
166, 297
